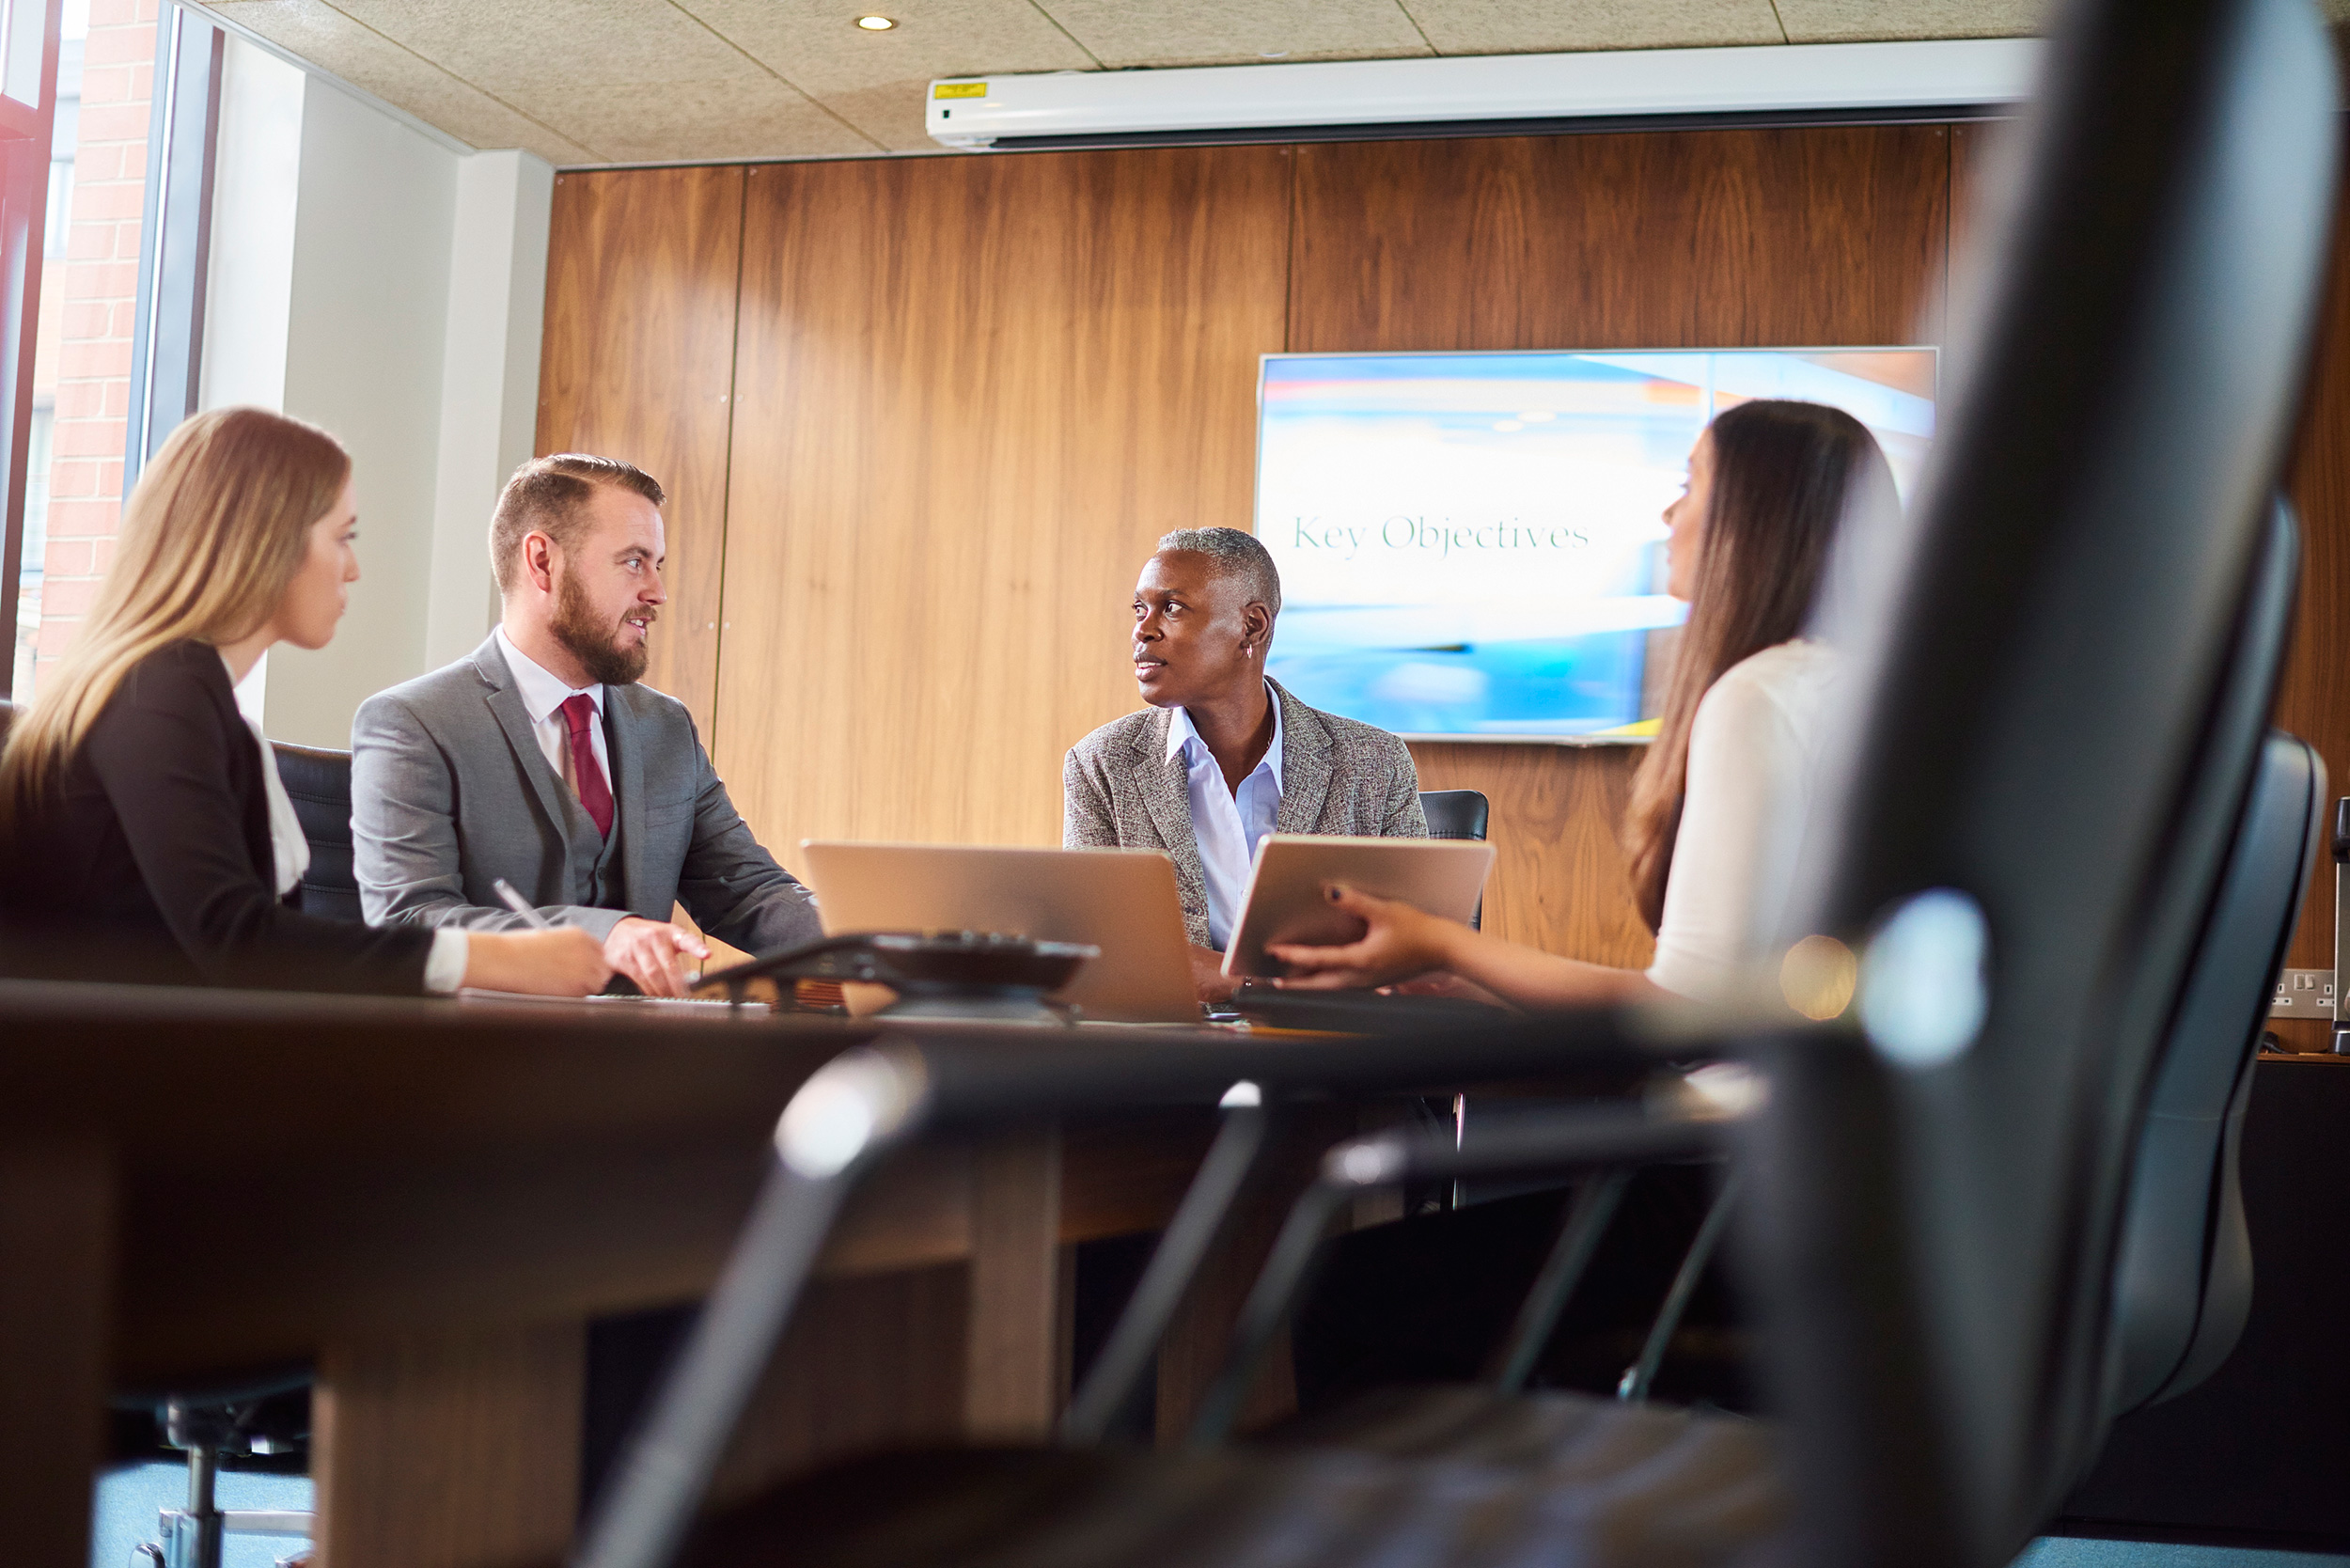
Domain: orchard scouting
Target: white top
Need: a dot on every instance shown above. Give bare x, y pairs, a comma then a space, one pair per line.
1227, 823
1754, 764
290, 856
543, 695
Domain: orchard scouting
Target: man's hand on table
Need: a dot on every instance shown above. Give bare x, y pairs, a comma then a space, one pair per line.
647, 952
1207, 976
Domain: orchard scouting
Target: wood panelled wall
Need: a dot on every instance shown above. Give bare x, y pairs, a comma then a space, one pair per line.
970, 394
919, 453
643, 282
1686, 239
2312, 700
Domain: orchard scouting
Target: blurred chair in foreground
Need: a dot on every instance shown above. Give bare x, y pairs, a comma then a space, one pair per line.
2023, 839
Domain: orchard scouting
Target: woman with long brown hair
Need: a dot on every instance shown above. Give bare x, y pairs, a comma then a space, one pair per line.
1718, 805
143, 833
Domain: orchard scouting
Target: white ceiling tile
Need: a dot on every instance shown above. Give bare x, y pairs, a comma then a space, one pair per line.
889, 112
1857, 20
316, 32
1237, 32
585, 43
876, 80
685, 120
1533, 26
635, 79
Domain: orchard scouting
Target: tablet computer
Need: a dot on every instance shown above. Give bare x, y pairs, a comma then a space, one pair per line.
1285, 902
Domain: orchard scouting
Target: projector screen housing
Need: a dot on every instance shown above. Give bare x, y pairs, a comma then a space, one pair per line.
1950, 73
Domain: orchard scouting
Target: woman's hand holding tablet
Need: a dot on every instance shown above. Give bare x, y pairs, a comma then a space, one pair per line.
1290, 898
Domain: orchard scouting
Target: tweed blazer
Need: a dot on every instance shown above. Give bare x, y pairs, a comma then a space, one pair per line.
1120, 789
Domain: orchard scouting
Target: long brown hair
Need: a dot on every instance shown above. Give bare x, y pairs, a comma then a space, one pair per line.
210, 539
1785, 476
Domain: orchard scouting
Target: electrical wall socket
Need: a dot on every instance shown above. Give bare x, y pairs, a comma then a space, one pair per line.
2304, 993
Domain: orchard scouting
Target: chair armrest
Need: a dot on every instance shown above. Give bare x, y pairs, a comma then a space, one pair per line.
1603, 1139
861, 1105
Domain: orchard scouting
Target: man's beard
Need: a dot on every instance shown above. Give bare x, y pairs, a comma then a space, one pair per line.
593, 642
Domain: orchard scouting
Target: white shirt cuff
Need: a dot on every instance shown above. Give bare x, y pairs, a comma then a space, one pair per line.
444, 966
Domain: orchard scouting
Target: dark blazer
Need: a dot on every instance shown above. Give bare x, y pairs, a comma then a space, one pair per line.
1338, 776
450, 792
156, 847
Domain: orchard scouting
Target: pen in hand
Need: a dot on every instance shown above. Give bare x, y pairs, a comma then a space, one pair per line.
521, 905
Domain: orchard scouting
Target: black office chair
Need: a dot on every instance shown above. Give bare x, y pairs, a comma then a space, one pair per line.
2183, 1289
319, 782
1455, 814
2027, 839
2184, 1284
1458, 814
2184, 1281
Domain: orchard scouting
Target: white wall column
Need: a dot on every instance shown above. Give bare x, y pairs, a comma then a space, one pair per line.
387, 284
497, 285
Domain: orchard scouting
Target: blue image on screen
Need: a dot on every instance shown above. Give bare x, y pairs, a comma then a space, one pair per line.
1471, 546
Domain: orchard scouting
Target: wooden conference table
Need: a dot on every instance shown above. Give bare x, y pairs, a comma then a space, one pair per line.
426, 1201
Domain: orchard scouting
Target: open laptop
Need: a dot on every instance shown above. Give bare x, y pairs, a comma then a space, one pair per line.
1124, 901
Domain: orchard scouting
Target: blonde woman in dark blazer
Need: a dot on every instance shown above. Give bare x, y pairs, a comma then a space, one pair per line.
142, 823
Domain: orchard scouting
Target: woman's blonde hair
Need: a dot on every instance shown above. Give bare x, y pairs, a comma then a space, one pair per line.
211, 540
1785, 477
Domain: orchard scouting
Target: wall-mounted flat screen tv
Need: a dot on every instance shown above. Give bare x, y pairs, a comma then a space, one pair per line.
1471, 546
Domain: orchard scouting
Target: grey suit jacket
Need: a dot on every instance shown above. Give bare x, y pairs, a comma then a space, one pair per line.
1120, 789
450, 792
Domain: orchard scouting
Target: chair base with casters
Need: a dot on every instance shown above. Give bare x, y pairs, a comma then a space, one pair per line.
253, 1420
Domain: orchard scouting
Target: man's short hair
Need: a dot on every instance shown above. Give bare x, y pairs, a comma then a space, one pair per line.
550, 496
1236, 554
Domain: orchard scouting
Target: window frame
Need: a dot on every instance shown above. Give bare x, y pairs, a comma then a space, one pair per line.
24, 146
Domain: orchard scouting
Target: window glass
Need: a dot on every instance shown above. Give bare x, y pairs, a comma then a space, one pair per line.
49, 350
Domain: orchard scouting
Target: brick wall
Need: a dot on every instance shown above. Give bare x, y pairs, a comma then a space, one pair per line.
98, 286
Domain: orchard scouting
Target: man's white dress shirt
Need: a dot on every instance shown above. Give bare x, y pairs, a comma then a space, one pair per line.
1227, 824
543, 695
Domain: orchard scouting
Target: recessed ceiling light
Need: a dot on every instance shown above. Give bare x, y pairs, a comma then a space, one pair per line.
875, 24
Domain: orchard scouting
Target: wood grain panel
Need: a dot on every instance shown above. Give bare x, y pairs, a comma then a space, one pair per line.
485, 1424
970, 394
1971, 157
870, 1362
638, 362
58, 1206
2313, 700
1680, 240
1011, 1389
1558, 879
1687, 238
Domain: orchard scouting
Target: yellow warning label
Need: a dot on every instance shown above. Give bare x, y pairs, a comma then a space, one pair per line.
960, 89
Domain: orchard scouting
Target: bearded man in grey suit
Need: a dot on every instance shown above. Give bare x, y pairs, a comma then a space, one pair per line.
1224, 755
540, 760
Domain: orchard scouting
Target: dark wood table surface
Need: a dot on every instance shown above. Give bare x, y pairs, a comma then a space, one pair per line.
427, 1200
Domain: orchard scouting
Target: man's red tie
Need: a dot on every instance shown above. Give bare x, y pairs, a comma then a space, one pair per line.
579, 713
